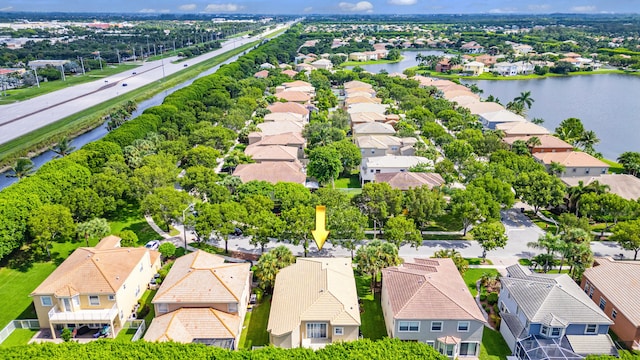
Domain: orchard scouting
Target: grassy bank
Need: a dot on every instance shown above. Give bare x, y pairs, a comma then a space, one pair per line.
40, 139
370, 62
492, 76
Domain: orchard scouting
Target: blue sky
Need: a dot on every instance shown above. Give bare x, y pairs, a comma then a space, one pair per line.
328, 6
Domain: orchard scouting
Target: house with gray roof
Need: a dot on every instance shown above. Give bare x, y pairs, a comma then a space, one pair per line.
549, 316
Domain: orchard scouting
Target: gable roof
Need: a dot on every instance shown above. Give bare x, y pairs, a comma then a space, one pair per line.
357, 84
297, 83
290, 73
625, 185
619, 282
201, 277
187, 324
280, 127
522, 128
294, 96
483, 107
362, 99
98, 270
290, 138
429, 289
365, 107
551, 298
502, 116
373, 128
406, 180
570, 159
314, 289
283, 116
378, 141
288, 107
271, 171
261, 74
361, 117
272, 153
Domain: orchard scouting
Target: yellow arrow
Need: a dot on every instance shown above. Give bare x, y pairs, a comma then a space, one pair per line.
320, 233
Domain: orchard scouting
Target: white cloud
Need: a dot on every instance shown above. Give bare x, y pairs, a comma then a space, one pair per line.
503, 11
308, 9
229, 7
402, 2
8, 8
148, 11
187, 7
362, 6
539, 7
585, 8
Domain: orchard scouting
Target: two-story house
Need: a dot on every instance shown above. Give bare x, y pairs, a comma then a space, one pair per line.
548, 315
95, 287
380, 145
314, 303
428, 301
371, 166
202, 300
576, 163
615, 287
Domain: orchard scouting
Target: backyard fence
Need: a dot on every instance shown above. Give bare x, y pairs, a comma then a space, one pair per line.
137, 324
18, 324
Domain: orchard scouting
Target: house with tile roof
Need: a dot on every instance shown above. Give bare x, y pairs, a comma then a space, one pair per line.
625, 185
372, 166
576, 163
407, 180
287, 116
203, 300
380, 145
299, 97
524, 128
357, 84
280, 127
272, 172
95, 286
428, 301
314, 303
481, 107
615, 286
290, 139
372, 128
265, 153
548, 143
549, 316
289, 107
492, 119
365, 107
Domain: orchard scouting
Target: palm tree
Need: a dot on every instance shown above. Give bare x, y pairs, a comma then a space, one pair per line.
525, 99
23, 167
630, 160
575, 245
532, 142
556, 168
538, 121
517, 108
588, 140
549, 242
456, 60
63, 147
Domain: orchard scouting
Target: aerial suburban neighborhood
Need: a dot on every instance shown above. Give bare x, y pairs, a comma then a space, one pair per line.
229, 185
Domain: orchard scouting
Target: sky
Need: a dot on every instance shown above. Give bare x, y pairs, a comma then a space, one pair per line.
328, 6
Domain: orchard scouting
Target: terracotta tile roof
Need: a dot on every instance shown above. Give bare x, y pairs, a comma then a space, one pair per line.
314, 289
294, 96
522, 128
357, 84
280, 127
99, 270
373, 128
429, 289
288, 107
456, 93
186, 324
465, 100
625, 185
201, 277
362, 99
484, 107
261, 74
297, 83
272, 153
378, 141
359, 90
570, 159
406, 180
271, 171
289, 139
108, 242
619, 282
364, 107
290, 73
283, 117
546, 142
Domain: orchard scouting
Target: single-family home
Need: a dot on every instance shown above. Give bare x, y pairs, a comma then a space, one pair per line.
522, 49
361, 91
357, 56
290, 73
267, 66
361, 99
270, 153
474, 67
366, 117
202, 300
625, 185
357, 84
492, 119
95, 287
371, 166
428, 301
289, 107
294, 96
487, 60
472, 47
271, 117
372, 128
465, 100
576, 163
505, 69
615, 286
314, 303
324, 64
481, 107
548, 143
280, 127
366, 107
443, 65
263, 74
304, 67
272, 172
521, 128
545, 316
407, 180
290, 139
380, 145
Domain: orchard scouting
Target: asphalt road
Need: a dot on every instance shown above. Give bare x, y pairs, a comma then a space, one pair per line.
20, 118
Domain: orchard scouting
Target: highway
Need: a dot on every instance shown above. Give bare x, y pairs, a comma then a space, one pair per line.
20, 118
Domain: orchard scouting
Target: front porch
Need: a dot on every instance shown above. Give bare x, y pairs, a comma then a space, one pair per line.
315, 344
94, 319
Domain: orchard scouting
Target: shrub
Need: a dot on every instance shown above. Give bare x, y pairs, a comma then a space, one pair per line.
483, 297
496, 320
143, 311
492, 298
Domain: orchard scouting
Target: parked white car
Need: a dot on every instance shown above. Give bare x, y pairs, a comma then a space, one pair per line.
153, 245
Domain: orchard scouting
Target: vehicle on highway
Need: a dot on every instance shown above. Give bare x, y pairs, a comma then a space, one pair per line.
153, 245
185, 65
124, 84
134, 73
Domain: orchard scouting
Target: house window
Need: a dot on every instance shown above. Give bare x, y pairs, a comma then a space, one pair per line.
436, 326
232, 307
573, 170
316, 330
604, 171
591, 329
373, 151
112, 298
544, 330
76, 300
431, 343
94, 300
555, 332
409, 326
138, 290
603, 303
338, 331
377, 171
46, 301
163, 308
587, 171
591, 292
141, 267
463, 326
614, 314
468, 349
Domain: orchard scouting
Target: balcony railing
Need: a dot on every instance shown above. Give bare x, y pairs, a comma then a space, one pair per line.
83, 315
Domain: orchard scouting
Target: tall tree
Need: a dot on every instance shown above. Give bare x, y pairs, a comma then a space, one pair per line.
627, 234
379, 201
270, 263
299, 221
221, 219
472, 205
21, 168
490, 235
575, 247
324, 164
399, 229
539, 189
550, 243
93, 229
630, 161
570, 130
49, 223
375, 256
166, 204
63, 147
525, 99
458, 260
263, 225
346, 227
423, 204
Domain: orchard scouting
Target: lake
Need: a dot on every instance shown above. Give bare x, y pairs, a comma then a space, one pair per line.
607, 104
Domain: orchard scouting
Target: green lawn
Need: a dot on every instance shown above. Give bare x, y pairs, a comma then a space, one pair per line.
49, 86
614, 167
373, 326
370, 62
126, 334
130, 218
351, 182
19, 337
478, 261
493, 346
471, 276
445, 222
254, 331
146, 300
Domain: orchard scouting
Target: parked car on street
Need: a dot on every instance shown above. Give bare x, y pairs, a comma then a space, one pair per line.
153, 245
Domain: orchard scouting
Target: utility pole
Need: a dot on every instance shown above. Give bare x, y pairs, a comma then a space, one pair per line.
154, 50
174, 46
82, 64
100, 60
134, 53
162, 61
62, 72
35, 71
118, 54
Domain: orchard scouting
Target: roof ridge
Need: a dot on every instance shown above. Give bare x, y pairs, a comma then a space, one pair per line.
214, 312
224, 284
95, 262
189, 273
586, 304
173, 316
